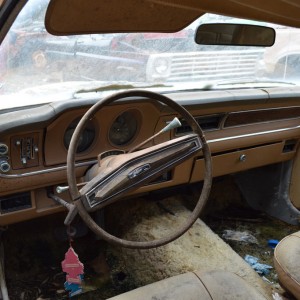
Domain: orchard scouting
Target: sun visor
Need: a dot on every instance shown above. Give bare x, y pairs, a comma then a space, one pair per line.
68, 17
284, 12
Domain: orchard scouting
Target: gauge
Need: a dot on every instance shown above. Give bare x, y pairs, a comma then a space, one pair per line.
123, 128
86, 138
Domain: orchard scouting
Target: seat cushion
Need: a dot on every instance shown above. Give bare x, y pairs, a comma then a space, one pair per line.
215, 285
287, 263
227, 286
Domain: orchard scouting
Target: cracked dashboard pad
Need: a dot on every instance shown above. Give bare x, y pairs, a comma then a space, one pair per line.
121, 174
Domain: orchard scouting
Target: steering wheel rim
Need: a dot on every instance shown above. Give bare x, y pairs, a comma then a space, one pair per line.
76, 196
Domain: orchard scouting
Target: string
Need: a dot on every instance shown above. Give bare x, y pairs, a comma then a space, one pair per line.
71, 233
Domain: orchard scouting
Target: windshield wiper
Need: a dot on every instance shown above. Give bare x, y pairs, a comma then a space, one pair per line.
115, 87
264, 82
232, 84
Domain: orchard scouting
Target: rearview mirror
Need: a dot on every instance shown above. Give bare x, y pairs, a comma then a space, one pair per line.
235, 35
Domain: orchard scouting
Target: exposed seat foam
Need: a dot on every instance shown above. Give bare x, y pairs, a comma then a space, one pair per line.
214, 285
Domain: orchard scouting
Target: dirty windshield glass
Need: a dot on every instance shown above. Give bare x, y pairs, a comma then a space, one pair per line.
31, 58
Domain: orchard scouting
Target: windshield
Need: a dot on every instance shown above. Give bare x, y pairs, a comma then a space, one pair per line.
30, 58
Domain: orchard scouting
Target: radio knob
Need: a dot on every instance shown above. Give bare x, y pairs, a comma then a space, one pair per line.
3, 149
4, 166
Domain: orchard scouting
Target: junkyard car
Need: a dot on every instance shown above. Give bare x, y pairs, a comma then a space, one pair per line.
115, 117
151, 57
281, 60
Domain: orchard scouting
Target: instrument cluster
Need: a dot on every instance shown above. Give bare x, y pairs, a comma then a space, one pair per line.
121, 132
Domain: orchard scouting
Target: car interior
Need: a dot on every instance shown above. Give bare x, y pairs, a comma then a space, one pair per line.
130, 173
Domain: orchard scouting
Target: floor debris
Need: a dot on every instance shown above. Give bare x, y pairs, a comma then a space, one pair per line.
261, 269
33, 255
272, 243
240, 236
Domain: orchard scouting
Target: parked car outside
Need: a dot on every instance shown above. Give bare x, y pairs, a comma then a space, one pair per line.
282, 60
160, 55
155, 57
206, 65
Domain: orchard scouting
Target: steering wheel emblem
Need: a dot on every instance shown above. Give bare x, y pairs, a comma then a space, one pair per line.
138, 171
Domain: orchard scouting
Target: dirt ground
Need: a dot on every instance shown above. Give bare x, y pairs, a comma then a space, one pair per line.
34, 250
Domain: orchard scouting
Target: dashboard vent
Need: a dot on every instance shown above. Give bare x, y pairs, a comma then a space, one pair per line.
15, 202
206, 123
289, 146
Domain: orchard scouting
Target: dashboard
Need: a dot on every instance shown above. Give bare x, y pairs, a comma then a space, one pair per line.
244, 128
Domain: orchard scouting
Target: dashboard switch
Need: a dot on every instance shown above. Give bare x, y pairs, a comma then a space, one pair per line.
4, 166
3, 149
24, 160
24, 151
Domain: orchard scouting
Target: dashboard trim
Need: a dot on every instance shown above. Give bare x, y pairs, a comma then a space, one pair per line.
89, 163
252, 134
42, 115
50, 170
264, 113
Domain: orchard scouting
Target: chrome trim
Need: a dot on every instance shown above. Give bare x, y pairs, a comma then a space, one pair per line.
88, 163
61, 168
252, 134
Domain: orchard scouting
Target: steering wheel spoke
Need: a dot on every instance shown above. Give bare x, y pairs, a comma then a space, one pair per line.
127, 172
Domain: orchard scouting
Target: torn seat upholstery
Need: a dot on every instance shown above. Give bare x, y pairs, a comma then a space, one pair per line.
287, 263
214, 285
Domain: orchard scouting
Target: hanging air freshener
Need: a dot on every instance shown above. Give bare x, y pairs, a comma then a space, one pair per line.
74, 269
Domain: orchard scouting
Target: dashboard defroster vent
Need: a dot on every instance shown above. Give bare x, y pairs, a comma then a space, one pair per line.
212, 122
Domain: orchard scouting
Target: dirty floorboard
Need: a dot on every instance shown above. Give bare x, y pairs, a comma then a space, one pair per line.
34, 250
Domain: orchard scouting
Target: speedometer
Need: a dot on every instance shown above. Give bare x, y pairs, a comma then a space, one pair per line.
86, 138
123, 128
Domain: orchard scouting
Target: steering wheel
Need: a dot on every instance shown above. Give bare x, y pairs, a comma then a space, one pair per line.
118, 175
